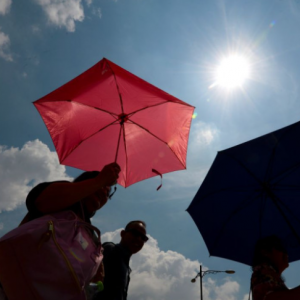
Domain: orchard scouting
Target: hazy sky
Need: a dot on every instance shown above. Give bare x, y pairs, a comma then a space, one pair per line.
177, 46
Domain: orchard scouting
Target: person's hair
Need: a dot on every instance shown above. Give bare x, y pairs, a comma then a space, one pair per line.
134, 222
86, 175
264, 246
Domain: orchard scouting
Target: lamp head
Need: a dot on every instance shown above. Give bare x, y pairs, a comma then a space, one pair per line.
229, 271
193, 280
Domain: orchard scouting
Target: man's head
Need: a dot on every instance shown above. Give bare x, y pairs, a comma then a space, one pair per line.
271, 250
133, 237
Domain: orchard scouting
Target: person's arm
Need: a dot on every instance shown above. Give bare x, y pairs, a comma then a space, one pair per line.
110, 262
292, 294
100, 274
108, 247
60, 195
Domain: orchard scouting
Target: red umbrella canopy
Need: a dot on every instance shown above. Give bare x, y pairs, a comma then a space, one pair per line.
107, 114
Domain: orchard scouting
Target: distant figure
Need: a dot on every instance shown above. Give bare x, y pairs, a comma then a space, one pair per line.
270, 260
116, 261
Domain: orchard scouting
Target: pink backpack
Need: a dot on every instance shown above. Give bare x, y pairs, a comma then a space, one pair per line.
50, 258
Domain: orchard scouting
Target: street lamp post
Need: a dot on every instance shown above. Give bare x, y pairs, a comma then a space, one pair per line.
201, 274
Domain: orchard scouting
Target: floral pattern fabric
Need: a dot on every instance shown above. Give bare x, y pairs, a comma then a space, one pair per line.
265, 280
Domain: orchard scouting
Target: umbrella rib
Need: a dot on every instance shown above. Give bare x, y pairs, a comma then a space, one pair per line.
286, 187
241, 164
270, 163
92, 107
232, 189
275, 148
290, 211
114, 122
286, 173
129, 114
275, 201
120, 96
158, 104
264, 185
269, 192
125, 155
261, 212
122, 128
158, 139
118, 142
272, 197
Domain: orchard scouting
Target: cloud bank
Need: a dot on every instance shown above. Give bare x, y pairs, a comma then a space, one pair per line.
5, 6
157, 274
21, 169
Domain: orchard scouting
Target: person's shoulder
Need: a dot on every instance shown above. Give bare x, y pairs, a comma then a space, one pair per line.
109, 245
35, 192
41, 186
110, 249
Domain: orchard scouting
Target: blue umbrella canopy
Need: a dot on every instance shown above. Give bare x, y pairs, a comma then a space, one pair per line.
252, 191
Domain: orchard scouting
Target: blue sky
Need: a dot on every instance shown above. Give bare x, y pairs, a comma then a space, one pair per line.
175, 45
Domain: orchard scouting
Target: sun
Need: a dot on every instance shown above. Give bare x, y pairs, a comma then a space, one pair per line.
232, 72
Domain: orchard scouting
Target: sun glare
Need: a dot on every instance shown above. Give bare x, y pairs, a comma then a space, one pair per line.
232, 72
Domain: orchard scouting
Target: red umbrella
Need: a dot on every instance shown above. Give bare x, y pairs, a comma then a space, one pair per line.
108, 114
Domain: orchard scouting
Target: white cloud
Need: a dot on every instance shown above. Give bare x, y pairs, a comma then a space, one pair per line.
113, 236
63, 13
4, 46
89, 2
204, 134
246, 297
226, 291
97, 12
21, 169
5, 6
157, 274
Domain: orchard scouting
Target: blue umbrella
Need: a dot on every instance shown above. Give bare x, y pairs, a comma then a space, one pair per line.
252, 191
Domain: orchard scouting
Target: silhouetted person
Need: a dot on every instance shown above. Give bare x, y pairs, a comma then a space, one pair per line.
116, 261
270, 260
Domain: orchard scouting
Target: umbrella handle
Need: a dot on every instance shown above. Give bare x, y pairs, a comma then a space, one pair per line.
156, 172
111, 194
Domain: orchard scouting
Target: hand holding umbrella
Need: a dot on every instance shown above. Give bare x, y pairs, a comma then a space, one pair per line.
109, 175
